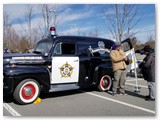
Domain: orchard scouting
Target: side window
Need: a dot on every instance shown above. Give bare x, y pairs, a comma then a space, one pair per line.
68, 48
83, 49
64, 49
108, 44
57, 49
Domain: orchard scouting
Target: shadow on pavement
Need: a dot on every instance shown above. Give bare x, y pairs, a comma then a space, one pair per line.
64, 93
135, 94
8, 99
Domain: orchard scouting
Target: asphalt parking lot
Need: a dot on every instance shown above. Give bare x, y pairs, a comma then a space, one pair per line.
87, 102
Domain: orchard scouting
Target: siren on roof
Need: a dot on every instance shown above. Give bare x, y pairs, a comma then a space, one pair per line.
53, 31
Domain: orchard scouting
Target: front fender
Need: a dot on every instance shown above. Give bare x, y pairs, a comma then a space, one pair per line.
14, 75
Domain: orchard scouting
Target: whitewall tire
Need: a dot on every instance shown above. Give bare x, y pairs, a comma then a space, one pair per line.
105, 83
27, 91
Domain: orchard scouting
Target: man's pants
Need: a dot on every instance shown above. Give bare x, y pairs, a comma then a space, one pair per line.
151, 87
119, 81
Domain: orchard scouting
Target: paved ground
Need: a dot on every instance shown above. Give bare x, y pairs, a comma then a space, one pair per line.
87, 102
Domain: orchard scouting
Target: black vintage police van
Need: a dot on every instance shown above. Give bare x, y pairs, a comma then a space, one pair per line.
58, 64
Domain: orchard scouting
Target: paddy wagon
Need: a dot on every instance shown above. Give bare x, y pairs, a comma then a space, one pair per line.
58, 63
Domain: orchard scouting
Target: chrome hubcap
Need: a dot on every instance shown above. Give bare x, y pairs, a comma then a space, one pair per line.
105, 82
28, 91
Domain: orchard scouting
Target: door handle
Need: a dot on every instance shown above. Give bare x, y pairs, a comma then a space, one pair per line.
75, 61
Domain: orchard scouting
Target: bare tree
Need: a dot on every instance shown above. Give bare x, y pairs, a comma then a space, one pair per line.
27, 28
121, 20
134, 41
49, 15
6, 29
35, 36
150, 41
96, 32
10, 37
28, 17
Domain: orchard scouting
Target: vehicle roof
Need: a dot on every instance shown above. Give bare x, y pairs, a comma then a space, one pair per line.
83, 38
76, 39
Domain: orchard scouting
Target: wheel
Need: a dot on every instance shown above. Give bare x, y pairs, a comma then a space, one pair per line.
26, 91
105, 83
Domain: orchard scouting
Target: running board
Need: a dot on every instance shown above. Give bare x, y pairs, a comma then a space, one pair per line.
63, 87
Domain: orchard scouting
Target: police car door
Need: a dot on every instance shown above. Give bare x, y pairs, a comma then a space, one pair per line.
65, 65
130, 53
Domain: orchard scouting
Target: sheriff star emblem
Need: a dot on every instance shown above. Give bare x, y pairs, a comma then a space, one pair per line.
66, 70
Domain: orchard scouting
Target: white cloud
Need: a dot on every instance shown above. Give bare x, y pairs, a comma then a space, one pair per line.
75, 30
14, 11
17, 11
69, 15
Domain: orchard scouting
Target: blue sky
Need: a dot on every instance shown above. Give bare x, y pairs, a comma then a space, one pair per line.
85, 18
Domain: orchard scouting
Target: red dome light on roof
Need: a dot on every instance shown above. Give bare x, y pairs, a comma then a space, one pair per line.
53, 31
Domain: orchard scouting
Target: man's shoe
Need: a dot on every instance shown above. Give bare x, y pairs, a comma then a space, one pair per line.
114, 94
149, 99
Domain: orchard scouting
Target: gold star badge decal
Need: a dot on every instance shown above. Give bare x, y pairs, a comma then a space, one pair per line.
66, 70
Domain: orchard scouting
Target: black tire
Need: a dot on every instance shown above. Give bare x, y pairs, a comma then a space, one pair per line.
105, 83
26, 91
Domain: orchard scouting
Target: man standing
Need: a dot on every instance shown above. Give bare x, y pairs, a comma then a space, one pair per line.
118, 59
148, 71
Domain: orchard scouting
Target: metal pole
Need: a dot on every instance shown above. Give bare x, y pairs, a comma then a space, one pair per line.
135, 71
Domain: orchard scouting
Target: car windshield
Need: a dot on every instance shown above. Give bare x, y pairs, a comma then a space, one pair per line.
42, 47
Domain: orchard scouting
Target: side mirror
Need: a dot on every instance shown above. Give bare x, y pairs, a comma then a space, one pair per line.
45, 54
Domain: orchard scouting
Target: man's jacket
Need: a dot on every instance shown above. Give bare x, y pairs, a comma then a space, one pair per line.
148, 67
117, 59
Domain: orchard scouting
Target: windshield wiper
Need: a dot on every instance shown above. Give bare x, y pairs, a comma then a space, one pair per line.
38, 52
